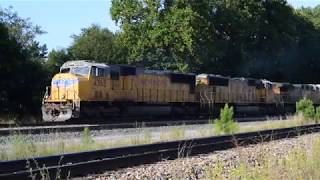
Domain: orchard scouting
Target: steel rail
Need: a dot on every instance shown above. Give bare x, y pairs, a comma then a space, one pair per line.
80, 127
109, 126
98, 161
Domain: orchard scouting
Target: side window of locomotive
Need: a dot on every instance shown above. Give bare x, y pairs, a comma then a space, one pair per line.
100, 72
97, 72
93, 71
114, 74
106, 72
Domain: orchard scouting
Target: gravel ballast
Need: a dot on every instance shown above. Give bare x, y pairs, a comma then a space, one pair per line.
196, 167
118, 134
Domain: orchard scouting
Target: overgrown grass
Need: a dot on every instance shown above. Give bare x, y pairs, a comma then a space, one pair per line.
296, 120
299, 163
18, 147
174, 133
8, 119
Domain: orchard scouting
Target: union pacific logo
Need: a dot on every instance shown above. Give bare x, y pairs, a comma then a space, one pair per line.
64, 82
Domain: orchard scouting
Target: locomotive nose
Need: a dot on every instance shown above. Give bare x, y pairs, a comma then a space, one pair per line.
59, 104
64, 87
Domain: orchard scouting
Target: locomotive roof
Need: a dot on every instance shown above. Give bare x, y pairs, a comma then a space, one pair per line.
149, 71
240, 78
265, 81
212, 75
69, 64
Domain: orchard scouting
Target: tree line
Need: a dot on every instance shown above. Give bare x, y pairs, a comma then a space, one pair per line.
250, 38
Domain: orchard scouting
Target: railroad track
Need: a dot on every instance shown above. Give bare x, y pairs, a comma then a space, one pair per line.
91, 162
131, 122
79, 127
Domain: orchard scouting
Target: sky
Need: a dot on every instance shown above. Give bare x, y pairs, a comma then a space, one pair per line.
63, 18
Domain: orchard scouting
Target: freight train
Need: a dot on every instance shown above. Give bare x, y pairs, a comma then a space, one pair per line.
86, 89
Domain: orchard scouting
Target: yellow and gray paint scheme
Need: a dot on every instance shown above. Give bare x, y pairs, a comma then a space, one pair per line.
62, 100
100, 89
88, 89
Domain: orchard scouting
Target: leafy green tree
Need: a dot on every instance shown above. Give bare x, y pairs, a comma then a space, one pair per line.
305, 65
10, 57
22, 75
311, 14
250, 37
234, 37
158, 34
55, 60
20, 79
95, 43
25, 33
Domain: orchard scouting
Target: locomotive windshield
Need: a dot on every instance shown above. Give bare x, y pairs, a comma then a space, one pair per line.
65, 70
83, 71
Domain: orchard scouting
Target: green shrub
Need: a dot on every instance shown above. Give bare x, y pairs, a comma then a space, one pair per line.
226, 124
317, 115
305, 107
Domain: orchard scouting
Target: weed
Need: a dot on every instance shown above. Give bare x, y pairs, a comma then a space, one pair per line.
205, 132
296, 120
61, 146
184, 150
317, 115
175, 133
226, 124
240, 171
298, 163
86, 136
147, 136
142, 136
134, 140
217, 171
44, 172
211, 121
17, 150
3, 153
305, 107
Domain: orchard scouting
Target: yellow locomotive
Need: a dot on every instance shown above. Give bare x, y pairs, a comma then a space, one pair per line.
246, 95
89, 89
252, 96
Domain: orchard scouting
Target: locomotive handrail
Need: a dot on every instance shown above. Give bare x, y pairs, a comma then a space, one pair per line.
47, 93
